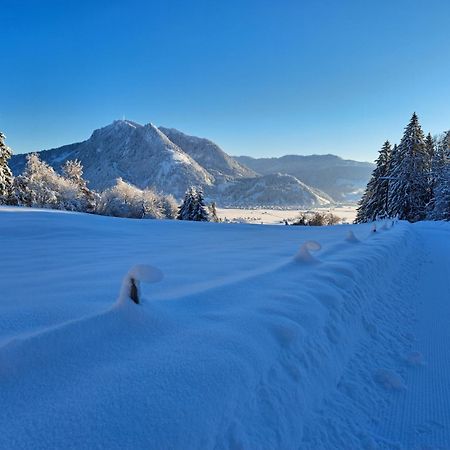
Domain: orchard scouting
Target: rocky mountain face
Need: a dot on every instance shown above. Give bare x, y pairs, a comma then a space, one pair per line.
171, 161
341, 179
209, 155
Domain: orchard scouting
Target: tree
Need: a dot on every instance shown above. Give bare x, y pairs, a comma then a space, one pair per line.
193, 206
199, 212
40, 186
409, 188
186, 208
430, 151
212, 211
6, 177
374, 201
126, 200
73, 171
440, 206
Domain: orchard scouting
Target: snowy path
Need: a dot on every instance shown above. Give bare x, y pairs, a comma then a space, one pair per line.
420, 417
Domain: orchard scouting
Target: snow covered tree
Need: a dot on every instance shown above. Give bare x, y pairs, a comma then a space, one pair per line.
193, 206
126, 200
409, 184
40, 186
6, 177
200, 213
441, 209
186, 208
440, 205
73, 171
169, 206
213, 212
374, 201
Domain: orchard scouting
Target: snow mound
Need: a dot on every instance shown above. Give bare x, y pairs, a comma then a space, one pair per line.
304, 254
138, 273
389, 380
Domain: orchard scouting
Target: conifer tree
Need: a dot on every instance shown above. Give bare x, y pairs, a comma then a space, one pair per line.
373, 204
6, 177
187, 207
193, 206
409, 188
430, 148
199, 213
440, 205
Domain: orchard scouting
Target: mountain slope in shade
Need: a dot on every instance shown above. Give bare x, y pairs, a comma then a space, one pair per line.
140, 154
340, 178
272, 190
209, 155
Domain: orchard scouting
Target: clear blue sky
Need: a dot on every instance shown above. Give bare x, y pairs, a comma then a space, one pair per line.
258, 77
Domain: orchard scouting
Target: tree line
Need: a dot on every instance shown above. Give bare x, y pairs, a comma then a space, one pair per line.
40, 186
411, 181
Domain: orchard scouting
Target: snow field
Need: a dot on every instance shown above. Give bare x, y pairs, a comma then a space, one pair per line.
243, 344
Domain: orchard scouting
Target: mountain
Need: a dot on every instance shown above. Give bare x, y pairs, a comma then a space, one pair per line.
140, 154
269, 190
341, 179
170, 161
209, 155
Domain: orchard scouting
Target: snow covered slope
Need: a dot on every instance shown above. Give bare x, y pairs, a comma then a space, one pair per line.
209, 155
248, 342
277, 189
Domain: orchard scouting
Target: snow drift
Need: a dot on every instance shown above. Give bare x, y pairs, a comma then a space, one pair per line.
239, 346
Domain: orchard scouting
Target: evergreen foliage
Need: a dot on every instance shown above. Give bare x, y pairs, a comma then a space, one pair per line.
374, 203
193, 206
409, 173
6, 177
440, 209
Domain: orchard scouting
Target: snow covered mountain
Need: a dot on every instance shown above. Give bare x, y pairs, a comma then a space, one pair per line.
342, 179
140, 154
209, 155
274, 189
170, 161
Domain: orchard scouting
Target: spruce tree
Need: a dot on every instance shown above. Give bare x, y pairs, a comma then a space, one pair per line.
409, 189
430, 148
199, 212
186, 209
193, 206
373, 204
6, 177
440, 205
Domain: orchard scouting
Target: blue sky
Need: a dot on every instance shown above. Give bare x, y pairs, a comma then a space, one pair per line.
262, 78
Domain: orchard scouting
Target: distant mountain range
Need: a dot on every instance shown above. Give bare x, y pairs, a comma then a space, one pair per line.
170, 161
341, 179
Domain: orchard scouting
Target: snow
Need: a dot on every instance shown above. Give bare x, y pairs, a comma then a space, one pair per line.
240, 342
278, 216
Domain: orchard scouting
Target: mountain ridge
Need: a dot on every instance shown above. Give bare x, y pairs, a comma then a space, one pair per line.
169, 161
